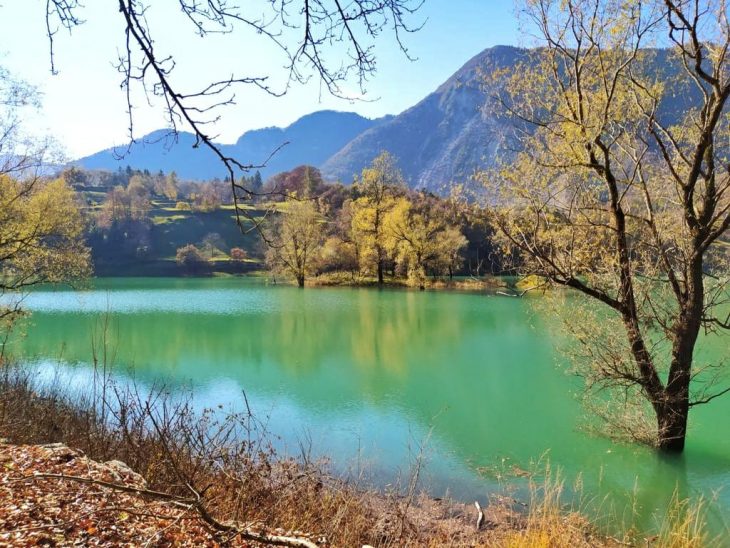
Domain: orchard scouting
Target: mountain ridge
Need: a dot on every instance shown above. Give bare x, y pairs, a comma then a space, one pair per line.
311, 139
440, 140
444, 138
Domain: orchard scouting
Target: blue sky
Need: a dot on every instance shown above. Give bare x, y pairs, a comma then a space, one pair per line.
84, 108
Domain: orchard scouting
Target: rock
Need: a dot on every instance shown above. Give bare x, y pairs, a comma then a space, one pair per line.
124, 474
60, 452
53, 446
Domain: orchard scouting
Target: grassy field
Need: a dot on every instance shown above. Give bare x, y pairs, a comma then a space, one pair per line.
171, 228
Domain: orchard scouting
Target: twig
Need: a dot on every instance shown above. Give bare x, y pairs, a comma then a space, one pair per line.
480, 514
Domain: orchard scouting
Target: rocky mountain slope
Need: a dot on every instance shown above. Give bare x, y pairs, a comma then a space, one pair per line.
443, 139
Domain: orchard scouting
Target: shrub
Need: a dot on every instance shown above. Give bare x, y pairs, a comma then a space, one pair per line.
190, 258
238, 254
183, 206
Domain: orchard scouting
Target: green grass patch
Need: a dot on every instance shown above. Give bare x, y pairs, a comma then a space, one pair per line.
241, 206
164, 219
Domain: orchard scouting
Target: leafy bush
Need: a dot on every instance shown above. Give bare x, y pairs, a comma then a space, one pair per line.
190, 258
238, 254
183, 206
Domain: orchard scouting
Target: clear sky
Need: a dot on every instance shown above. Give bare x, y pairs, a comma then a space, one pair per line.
85, 110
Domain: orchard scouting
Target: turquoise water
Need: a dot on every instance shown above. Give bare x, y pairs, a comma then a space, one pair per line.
367, 377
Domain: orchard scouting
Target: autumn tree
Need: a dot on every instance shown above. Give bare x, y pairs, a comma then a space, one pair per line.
339, 255
294, 240
170, 189
238, 255
421, 241
378, 187
302, 182
41, 227
41, 237
139, 196
191, 259
116, 208
451, 245
206, 199
622, 192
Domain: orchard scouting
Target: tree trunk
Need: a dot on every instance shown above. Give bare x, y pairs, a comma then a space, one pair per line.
380, 272
672, 415
300, 281
672, 424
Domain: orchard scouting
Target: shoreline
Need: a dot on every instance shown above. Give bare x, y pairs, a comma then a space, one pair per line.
500, 284
79, 499
175, 457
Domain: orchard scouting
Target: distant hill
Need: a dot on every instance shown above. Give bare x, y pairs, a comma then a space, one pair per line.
442, 139
312, 140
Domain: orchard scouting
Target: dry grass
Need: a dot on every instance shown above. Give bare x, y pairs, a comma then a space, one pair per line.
225, 456
684, 525
549, 523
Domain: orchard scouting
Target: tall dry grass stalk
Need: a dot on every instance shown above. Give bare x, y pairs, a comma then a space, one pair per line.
685, 525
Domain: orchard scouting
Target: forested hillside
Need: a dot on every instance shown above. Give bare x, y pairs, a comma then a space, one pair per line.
140, 223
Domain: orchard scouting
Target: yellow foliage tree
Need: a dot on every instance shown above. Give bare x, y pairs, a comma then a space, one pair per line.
295, 239
41, 238
379, 184
623, 195
422, 241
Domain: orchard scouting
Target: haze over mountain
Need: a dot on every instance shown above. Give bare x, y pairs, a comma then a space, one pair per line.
441, 141
311, 140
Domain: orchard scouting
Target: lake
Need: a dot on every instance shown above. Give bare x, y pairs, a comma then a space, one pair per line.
367, 377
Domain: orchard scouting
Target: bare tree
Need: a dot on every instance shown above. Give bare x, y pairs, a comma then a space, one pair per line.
331, 40
622, 191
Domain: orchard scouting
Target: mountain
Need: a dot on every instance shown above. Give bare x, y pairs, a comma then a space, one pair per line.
457, 130
443, 139
312, 140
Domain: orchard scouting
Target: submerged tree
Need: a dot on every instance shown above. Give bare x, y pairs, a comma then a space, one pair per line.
623, 189
295, 240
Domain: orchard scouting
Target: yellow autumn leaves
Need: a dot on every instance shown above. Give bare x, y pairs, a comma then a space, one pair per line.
383, 230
